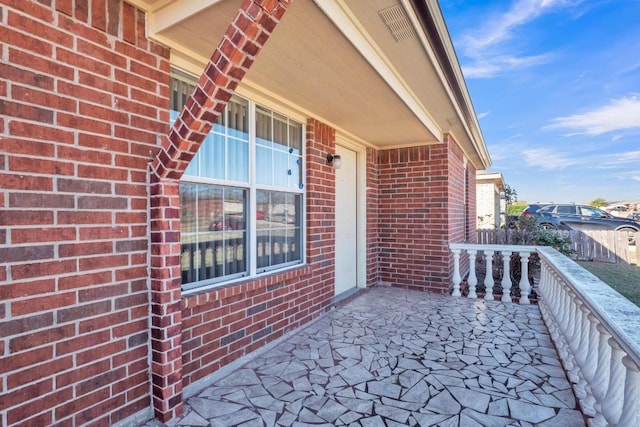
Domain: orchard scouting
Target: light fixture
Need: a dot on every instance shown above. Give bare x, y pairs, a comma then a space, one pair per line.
334, 160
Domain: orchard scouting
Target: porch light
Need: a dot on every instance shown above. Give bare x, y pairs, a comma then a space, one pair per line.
334, 160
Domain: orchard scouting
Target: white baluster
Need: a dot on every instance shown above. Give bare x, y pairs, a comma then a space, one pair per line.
457, 279
612, 409
506, 276
488, 277
601, 379
472, 281
631, 406
572, 336
583, 358
524, 278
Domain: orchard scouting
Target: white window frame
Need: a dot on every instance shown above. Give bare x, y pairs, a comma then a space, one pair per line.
252, 187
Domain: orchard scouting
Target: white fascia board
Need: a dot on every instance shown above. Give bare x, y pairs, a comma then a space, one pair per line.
176, 11
343, 19
479, 145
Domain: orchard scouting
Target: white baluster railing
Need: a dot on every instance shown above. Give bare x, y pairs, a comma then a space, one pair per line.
596, 330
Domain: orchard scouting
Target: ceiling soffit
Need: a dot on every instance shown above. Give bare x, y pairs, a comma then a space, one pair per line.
371, 86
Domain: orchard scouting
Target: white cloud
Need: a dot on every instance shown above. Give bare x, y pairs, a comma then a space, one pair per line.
487, 46
483, 114
548, 159
492, 65
619, 114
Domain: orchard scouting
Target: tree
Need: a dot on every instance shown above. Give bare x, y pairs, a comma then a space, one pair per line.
510, 195
516, 208
599, 202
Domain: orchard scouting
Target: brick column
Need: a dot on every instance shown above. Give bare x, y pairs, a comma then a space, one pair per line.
229, 63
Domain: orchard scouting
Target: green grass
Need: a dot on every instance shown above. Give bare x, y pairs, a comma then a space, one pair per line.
622, 277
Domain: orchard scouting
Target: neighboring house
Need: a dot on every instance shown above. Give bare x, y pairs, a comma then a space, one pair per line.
490, 206
168, 202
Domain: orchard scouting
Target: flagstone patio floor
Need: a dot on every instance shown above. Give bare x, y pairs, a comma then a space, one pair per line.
394, 357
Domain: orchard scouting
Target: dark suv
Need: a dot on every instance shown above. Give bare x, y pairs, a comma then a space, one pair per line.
576, 217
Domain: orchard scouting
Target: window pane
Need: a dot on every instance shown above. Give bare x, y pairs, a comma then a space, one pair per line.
214, 235
279, 234
280, 168
263, 127
264, 165
238, 166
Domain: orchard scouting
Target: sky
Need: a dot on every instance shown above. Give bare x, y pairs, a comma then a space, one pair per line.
556, 88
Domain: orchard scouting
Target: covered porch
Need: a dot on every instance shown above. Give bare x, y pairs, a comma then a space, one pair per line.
395, 356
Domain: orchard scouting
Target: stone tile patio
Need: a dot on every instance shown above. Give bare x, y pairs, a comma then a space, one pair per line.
393, 357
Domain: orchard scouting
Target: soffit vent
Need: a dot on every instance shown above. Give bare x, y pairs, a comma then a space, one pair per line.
397, 22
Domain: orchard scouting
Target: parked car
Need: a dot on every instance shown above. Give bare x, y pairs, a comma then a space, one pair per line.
634, 216
531, 210
570, 217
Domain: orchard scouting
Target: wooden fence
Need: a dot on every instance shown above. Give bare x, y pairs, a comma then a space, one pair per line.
593, 245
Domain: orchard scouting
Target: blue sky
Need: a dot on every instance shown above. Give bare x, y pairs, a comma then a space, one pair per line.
556, 87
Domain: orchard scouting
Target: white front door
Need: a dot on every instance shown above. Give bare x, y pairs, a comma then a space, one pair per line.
346, 221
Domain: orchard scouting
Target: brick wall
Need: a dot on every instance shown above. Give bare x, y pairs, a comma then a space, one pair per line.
373, 211
83, 98
421, 210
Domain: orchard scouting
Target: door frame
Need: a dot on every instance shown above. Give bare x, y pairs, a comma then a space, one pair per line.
361, 202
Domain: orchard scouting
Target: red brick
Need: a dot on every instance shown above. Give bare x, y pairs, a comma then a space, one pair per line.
34, 407
22, 217
74, 121
32, 148
52, 167
101, 262
107, 114
26, 289
82, 342
24, 40
30, 78
75, 376
104, 173
76, 60
29, 95
85, 280
28, 112
39, 64
25, 394
27, 271
83, 186
81, 402
99, 15
42, 234
40, 200
31, 8
84, 92
43, 303
26, 253
105, 84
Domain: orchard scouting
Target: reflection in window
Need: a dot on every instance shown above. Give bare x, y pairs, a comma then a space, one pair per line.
278, 232
278, 151
215, 190
213, 232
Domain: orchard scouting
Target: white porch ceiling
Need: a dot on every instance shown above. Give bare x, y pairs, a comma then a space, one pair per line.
335, 60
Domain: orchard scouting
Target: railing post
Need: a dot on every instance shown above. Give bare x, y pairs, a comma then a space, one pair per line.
472, 281
601, 377
631, 406
457, 279
612, 410
524, 278
506, 276
488, 276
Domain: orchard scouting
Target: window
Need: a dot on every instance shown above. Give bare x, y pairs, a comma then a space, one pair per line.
241, 196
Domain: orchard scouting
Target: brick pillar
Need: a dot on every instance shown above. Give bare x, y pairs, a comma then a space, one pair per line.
229, 63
